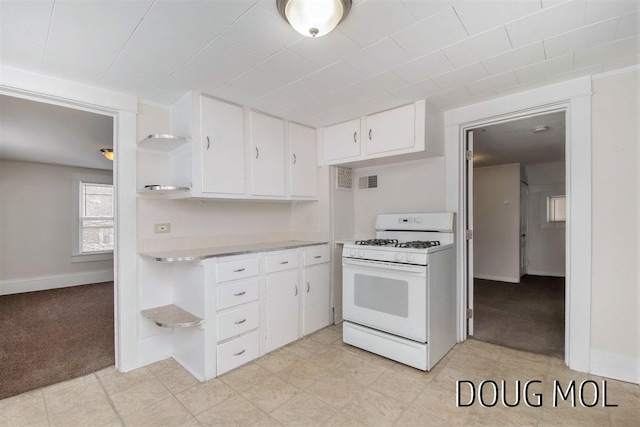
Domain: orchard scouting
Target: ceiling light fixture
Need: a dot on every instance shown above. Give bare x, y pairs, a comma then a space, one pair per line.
314, 18
108, 153
540, 128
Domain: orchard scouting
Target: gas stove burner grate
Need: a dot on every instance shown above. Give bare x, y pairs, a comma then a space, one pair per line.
378, 242
419, 244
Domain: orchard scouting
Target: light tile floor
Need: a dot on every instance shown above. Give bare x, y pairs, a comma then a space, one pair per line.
321, 381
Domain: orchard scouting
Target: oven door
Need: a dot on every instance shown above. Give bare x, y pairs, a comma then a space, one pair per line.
386, 296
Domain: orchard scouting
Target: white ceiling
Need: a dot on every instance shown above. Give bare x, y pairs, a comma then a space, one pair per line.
386, 53
45, 133
516, 142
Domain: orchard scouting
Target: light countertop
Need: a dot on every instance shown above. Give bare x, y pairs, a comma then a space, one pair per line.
199, 254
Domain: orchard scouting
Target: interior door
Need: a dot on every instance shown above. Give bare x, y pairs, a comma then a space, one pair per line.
524, 222
469, 227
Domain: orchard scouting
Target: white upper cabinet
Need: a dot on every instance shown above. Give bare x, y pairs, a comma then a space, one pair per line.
303, 162
390, 130
341, 141
409, 132
222, 146
267, 155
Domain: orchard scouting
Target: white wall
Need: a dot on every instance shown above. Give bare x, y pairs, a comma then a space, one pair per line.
416, 186
36, 219
496, 223
615, 325
545, 242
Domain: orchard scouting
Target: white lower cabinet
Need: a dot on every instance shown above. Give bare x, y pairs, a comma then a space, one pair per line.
316, 279
232, 309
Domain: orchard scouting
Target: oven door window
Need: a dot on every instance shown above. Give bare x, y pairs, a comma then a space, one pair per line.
381, 294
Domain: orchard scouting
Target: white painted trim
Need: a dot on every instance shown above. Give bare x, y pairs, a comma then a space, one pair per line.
616, 366
574, 97
496, 278
56, 281
616, 72
546, 273
123, 109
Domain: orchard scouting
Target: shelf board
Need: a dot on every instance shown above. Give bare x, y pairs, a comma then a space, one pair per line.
162, 142
171, 316
163, 190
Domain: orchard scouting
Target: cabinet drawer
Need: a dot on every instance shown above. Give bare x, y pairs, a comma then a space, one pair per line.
316, 255
234, 294
237, 269
281, 261
238, 321
237, 352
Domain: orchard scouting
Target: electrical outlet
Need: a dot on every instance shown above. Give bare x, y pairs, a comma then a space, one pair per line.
165, 227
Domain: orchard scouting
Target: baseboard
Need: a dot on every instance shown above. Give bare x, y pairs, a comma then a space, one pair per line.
546, 273
615, 366
42, 283
496, 278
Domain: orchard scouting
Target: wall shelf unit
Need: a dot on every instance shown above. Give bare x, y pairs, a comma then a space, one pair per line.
162, 142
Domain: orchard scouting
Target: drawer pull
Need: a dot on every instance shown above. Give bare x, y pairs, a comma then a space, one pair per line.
318, 256
284, 262
239, 353
296, 291
238, 270
239, 294
240, 321
308, 287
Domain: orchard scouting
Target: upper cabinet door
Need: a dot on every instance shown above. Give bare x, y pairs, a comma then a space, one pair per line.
342, 141
223, 168
303, 161
390, 130
267, 154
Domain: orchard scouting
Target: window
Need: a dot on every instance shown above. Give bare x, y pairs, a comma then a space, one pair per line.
556, 208
96, 217
92, 231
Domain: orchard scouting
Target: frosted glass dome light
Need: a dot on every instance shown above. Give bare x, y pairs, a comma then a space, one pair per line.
313, 18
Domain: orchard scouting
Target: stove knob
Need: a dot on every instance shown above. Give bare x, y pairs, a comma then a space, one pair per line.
398, 257
361, 254
409, 257
352, 252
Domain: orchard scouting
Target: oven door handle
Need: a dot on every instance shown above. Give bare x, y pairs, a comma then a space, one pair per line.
385, 266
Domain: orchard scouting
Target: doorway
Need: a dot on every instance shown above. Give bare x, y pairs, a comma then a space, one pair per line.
516, 256
56, 258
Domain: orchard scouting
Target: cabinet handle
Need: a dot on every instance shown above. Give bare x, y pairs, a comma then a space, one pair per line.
239, 322
257, 153
308, 287
239, 294
318, 256
239, 353
369, 134
238, 270
296, 291
284, 262
355, 137
295, 159
208, 143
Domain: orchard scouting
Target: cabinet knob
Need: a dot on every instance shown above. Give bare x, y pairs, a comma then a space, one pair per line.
208, 143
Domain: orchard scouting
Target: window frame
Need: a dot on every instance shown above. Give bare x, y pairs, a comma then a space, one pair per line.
76, 235
544, 208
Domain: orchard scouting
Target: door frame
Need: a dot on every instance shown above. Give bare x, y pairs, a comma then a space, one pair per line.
123, 109
574, 98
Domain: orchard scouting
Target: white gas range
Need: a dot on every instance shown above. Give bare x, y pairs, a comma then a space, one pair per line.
399, 290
